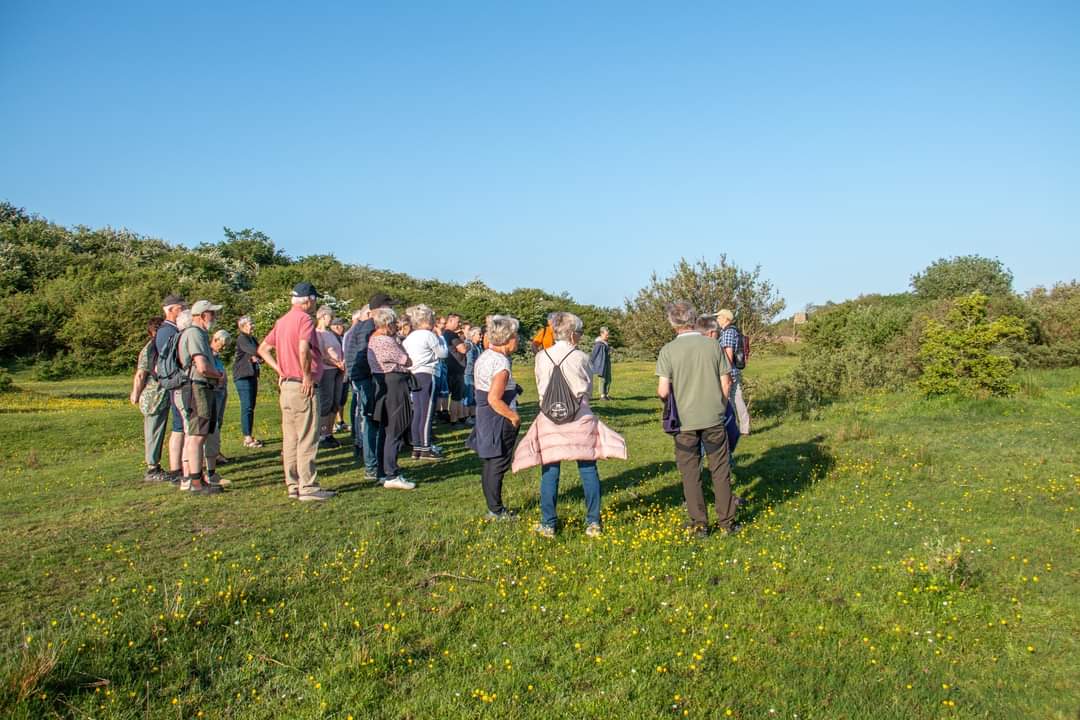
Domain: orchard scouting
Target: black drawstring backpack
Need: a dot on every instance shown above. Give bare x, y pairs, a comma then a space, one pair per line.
559, 404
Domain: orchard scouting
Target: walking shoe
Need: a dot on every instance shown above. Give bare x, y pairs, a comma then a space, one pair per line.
427, 455
470, 421
593, 530
253, 443
370, 476
293, 493
155, 474
329, 443
733, 530
174, 477
202, 488
503, 515
341, 428
399, 483
316, 496
699, 532
216, 479
545, 531
222, 460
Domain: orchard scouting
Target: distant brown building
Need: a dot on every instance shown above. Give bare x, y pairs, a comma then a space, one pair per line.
799, 318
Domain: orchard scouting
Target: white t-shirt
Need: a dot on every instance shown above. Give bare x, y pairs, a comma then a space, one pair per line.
424, 350
488, 365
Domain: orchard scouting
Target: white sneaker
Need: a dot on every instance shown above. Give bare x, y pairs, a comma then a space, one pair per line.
399, 483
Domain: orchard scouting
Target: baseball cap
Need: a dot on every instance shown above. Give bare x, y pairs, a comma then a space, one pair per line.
204, 306
381, 300
305, 289
172, 299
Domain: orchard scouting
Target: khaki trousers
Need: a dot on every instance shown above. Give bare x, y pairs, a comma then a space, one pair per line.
741, 413
299, 438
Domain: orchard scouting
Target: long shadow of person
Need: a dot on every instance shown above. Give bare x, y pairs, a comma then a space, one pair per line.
780, 473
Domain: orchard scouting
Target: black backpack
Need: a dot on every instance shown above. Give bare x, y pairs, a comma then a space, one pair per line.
170, 373
738, 355
559, 404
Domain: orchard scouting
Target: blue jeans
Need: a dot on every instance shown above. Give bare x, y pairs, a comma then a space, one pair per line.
247, 389
370, 431
549, 491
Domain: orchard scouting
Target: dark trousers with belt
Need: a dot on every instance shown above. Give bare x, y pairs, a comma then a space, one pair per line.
688, 459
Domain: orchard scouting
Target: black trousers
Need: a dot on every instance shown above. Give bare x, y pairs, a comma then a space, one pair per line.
494, 469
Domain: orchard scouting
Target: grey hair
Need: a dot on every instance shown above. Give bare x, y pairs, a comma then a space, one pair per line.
706, 324
421, 316
357, 314
244, 319
681, 314
382, 317
604, 329
302, 299
183, 320
222, 336
325, 310
501, 329
565, 325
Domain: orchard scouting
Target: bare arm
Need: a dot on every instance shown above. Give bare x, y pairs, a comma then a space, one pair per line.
205, 367
267, 355
308, 384
725, 385
663, 388
495, 399
138, 385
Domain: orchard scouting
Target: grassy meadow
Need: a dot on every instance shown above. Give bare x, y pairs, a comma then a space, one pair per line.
901, 558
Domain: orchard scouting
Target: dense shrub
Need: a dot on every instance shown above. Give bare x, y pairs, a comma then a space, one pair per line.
6, 382
79, 298
953, 277
965, 355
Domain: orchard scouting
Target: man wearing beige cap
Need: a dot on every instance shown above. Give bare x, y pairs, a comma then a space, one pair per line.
298, 364
199, 405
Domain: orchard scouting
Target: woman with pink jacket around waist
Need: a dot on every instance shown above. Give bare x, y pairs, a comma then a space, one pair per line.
584, 439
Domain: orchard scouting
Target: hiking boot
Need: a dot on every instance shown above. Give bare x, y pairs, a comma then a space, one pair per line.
430, 455
399, 483
544, 531
155, 474
503, 515
593, 530
316, 496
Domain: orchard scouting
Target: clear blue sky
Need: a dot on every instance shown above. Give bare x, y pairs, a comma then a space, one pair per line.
570, 146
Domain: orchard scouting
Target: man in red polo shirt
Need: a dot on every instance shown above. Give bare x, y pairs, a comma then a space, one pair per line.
298, 366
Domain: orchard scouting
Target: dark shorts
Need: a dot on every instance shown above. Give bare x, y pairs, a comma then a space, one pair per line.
456, 381
199, 409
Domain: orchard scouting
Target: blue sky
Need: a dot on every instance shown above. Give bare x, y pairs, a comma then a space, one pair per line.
571, 146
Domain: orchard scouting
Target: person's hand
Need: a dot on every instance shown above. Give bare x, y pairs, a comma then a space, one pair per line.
515, 421
134, 398
307, 387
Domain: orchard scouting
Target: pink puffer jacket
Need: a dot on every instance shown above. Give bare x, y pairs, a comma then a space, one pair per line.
585, 438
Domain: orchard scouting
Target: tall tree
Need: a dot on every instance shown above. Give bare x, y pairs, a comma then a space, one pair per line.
709, 287
962, 275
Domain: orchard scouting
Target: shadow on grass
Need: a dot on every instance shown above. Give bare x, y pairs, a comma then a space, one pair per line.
776, 476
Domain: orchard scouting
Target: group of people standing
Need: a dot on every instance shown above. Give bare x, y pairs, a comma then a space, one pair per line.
401, 371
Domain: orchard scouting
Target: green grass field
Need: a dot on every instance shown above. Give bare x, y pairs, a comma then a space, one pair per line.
901, 558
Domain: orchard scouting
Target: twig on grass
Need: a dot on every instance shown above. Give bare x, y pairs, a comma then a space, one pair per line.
447, 576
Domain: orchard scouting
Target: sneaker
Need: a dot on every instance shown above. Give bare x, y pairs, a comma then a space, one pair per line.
185, 484
216, 479
155, 474
399, 483
415, 454
316, 496
503, 515
203, 488
253, 443
174, 477
329, 443
593, 530
471, 422
221, 460
545, 531
733, 530
341, 428
293, 493
371, 477
430, 455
